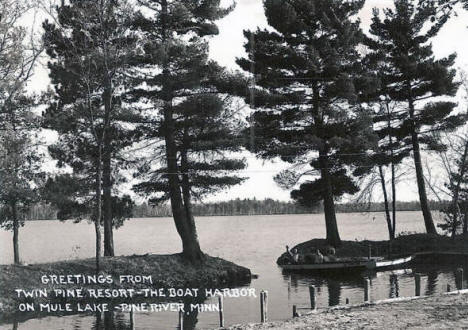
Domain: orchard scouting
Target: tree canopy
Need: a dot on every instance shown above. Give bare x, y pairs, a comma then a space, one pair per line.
306, 97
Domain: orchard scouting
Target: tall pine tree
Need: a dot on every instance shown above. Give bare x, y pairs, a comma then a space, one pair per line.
401, 39
172, 64
305, 97
90, 50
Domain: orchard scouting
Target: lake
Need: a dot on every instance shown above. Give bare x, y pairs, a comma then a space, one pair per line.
251, 241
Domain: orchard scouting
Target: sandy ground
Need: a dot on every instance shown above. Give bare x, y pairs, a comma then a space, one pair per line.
437, 312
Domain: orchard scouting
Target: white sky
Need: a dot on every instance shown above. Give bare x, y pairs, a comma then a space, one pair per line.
229, 44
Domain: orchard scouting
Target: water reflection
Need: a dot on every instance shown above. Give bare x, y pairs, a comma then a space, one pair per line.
329, 285
127, 321
335, 289
431, 287
334, 292
394, 286
190, 318
112, 321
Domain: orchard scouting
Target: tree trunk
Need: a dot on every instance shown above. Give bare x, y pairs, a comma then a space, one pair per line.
107, 172
387, 209
188, 200
333, 236
428, 221
392, 158
107, 202
14, 213
393, 201
98, 211
107, 96
190, 244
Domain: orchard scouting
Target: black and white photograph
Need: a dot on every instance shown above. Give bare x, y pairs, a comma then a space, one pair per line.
233, 164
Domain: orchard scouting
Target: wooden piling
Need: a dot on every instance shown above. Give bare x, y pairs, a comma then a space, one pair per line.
263, 306
366, 290
295, 314
459, 278
369, 255
417, 282
181, 320
313, 297
221, 311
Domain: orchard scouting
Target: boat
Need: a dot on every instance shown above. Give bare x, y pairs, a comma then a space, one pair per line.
350, 264
392, 263
330, 266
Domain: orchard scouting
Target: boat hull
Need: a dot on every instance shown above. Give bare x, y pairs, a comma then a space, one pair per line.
387, 264
372, 264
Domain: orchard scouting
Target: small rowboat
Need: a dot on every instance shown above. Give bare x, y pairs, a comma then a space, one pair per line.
375, 263
385, 263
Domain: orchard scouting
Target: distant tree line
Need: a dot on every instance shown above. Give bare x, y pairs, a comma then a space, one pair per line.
380, 207
246, 206
270, 206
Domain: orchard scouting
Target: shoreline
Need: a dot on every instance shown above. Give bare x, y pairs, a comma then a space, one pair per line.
446, 311
165, 272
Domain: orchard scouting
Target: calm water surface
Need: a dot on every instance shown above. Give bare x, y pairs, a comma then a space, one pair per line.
251, 241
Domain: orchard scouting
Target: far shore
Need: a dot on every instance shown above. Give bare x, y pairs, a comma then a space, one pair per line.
238, 215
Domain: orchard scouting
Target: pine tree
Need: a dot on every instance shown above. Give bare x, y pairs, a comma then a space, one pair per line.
172, 65
401, 40
20, 164
306, 94
90, 49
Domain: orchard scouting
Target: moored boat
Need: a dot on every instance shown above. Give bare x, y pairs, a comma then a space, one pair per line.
391, 263
350, 264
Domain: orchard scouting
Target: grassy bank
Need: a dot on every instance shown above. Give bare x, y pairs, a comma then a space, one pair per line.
166, 271
403, 245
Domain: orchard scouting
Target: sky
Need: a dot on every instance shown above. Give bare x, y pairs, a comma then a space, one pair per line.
228, 45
